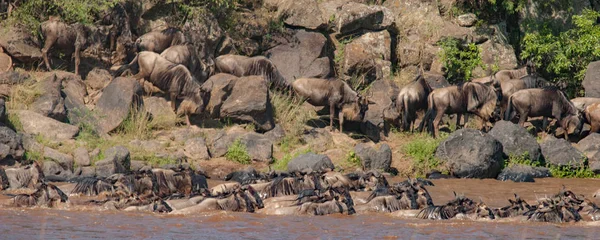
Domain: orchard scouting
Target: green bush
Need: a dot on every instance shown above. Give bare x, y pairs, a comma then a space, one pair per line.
422, 153
459, 59
352, 159
564, 57
569, 172
237, 152
281, 164
523, 159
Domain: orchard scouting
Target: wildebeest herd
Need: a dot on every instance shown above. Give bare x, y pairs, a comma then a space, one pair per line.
182, 190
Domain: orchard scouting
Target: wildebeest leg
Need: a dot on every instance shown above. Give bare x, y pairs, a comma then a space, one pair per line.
341, 116
77, 58
523, 117
458, 115
331, 114
173, 97
187, 120
436, 122
545, 124
50, 40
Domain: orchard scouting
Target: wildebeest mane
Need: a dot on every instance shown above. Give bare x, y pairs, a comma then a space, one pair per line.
91, 186
266, 68
177, 79
565, 104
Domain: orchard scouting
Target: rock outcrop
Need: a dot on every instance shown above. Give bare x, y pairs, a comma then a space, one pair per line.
315, 162
118, 99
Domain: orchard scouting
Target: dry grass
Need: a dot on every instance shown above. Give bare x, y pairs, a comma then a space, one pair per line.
290, 114
23, 95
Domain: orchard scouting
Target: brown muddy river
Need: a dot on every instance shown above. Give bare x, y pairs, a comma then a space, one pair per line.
73, 224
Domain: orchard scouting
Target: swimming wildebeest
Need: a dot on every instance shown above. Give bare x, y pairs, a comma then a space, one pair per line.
25, 176
243, 198
70, 38
247, 66
516, 208
460, 204
476, 98
175, 79
187, 56
592, 116
336, 94
546, 102
582, 102
45, 195
513, 85
411, 99
158, 41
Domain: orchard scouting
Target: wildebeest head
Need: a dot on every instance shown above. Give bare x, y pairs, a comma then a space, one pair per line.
573, 124
483, 211
356, 110
482, 99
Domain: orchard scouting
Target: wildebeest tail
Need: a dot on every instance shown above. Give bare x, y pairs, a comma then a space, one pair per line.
429, 115
508, 114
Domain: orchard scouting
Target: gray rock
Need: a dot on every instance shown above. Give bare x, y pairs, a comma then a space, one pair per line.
75, 92
195, 148
466, 20
117, 100
137, 165
368, 55
295, 13
372, 158
316, 162
357, 16
159, 108
11, 144
523, 173
116, 160
591, 81
20, 45
436, 80
470, 153
308, 51
35, 123
98, 78
318, 139
382, 93
13, 77
2, 112
147, 145
50, 103
202, 30
54, 169
590, 146
81, 157
276, 134
222, 85
259, 147
559, 152
249, 102
516, 141
64, 160
88, 172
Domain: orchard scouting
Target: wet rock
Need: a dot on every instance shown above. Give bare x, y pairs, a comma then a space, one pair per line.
316, 162
559, 152
34, 123
470, 153
51, 103
98, 79
523, 173
369, 54
10, 144
308, 50
81, 157
249, 102
372, 158
21, 45
64, 160
466, 20
116, 160
118, 99
591, 81
319, 139
357, 16
222, 85
516, 141
195, 148
590, 146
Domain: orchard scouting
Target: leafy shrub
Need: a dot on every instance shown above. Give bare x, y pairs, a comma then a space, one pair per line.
564, 57
352, 159
568, 172
523, 159
422, 153
237, 152
281, 164
459, 59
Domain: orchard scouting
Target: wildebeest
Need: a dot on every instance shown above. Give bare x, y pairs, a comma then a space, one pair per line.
582, 102
546, 102
45, 195
247, 66
476, 98
25, 176
411, 99
460, 204
513, 85
336, 94
187, 56
243, 198
175, 79
516, 208
590, 209
158, 41
501, 76
70, 38
592, 116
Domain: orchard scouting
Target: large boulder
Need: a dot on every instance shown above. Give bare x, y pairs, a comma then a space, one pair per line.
64, 160
10, 144
195, 148
299, 13
221, 85
466, 20
53, 169
309, 53
516, 141
259, 147
470, 153
356, 16
13, 77
591, 81
372, 158
116, 160
590, 146
35, 123
370, 54
315, 162
382, 93
436, 80
118, 99
20, 45
523, 173
203, 31
159, 108
98, 78
250, 102
559, 152
50, 103
498, 51
81, 157
75, 92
